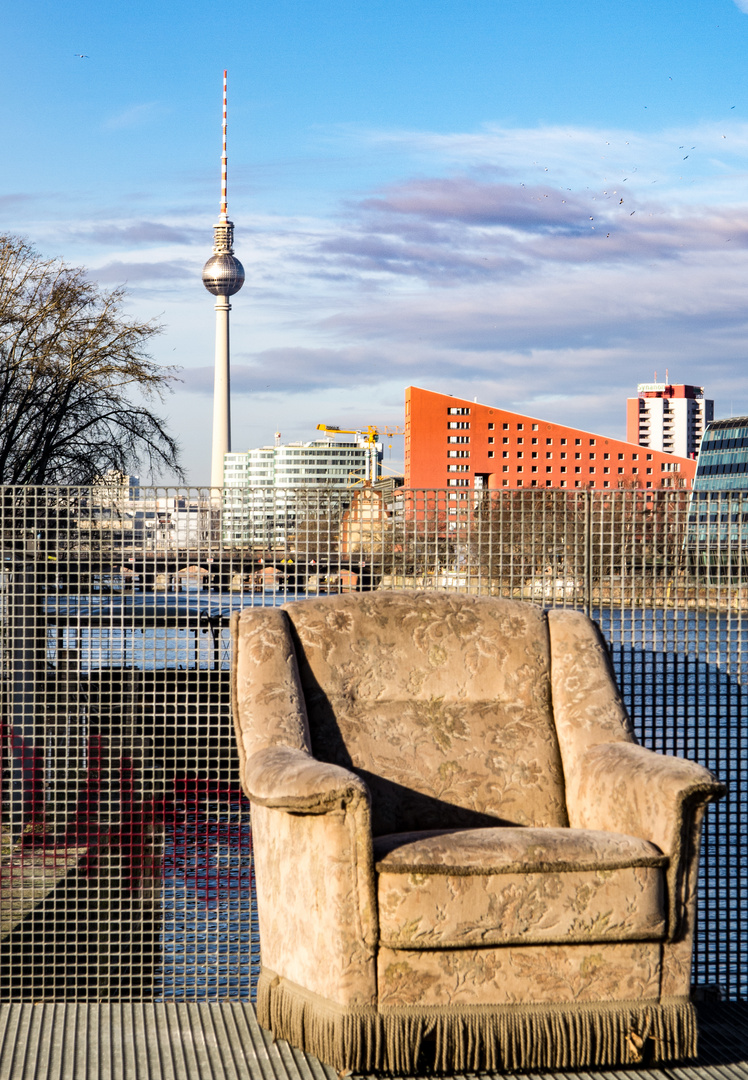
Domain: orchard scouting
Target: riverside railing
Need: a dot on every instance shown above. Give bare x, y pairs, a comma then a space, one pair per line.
125, 850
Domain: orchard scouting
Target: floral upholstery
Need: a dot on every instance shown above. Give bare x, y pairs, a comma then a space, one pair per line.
509, 886
458, 839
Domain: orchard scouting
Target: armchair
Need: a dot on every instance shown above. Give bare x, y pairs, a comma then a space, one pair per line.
462, 855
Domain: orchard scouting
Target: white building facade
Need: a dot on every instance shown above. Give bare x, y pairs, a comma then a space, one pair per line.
260, 498
667, 417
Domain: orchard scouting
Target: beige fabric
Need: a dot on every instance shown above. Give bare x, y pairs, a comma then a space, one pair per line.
496, 728
510, 886
440, 702
315, 902
550, 974
267, 701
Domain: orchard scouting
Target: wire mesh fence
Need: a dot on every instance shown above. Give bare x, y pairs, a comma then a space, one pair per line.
125, 851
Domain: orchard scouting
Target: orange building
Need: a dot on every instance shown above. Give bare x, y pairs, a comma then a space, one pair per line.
454, 443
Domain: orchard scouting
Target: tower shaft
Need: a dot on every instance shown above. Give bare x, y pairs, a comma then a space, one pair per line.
221, 394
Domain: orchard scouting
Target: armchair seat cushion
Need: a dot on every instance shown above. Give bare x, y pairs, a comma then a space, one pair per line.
504, 886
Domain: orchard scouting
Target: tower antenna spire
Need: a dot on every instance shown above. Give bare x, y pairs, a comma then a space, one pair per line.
224, 161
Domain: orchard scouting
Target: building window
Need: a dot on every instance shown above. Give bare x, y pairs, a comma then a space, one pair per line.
606, 457
533, 483
520, 453
563, 455
534, 442
620, 457
577, 457
549, 442
549, 468
520, 442
577, 483
490, 426
548, 454
505, 483
505, 453
577, 468
635, 457
606, 483
458, 424
635, 470
649, 471
520, 483
534, 427
490, 453
520, 427
533, 468
534, 453
563, 483
649, 457
563, 468
458, 453
458, 412
505, 468
458, 438
505, 440
649, 483
592, 457
592, 442
592, 468
458, 468
519, 468
577, 442
605, 469
490, 439
620, 468
563, 442
505, 427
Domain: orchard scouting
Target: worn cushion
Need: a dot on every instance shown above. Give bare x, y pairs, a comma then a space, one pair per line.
499, 886
440, 702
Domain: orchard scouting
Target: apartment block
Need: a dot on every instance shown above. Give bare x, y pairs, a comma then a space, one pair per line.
451, 442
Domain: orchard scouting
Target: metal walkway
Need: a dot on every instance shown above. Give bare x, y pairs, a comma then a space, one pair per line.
152, 1041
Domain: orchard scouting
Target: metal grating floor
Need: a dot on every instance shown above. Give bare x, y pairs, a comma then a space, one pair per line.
165, 1041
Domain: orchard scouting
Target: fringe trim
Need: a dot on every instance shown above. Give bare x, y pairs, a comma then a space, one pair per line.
475, 1038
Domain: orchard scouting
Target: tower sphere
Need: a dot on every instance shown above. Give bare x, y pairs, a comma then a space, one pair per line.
223, 274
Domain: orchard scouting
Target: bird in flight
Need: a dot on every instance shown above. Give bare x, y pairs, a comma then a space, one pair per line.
82, 56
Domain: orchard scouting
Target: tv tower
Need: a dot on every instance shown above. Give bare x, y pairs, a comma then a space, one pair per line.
223, 275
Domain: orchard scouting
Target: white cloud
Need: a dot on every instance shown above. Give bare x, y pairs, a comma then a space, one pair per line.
743, 5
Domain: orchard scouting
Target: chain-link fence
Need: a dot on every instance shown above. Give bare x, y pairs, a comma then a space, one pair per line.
125, 853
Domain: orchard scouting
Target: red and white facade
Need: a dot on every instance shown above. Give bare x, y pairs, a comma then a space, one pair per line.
669, 417
451, 442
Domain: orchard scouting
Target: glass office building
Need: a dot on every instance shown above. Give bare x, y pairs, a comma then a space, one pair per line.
718, 515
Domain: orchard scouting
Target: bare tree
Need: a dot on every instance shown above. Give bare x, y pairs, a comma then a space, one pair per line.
77, 385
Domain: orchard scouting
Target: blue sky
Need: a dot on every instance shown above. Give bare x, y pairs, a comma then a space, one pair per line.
424, 191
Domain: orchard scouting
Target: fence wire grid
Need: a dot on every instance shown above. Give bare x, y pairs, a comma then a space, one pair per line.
125, 843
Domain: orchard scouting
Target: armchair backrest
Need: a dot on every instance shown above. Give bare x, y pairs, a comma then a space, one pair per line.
440, 702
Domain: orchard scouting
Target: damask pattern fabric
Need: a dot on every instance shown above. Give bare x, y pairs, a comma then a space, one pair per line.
392, 689
510, 886
458, 839
548, 974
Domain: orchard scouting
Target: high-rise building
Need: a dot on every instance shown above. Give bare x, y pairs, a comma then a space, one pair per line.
668, 417
451, 442
261, 498
223, 276
723, 459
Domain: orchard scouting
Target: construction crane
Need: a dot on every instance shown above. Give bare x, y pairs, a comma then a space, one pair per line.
370, 435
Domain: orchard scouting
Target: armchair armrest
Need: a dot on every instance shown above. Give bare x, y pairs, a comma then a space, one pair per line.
623, 787
314, 865
285, 778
